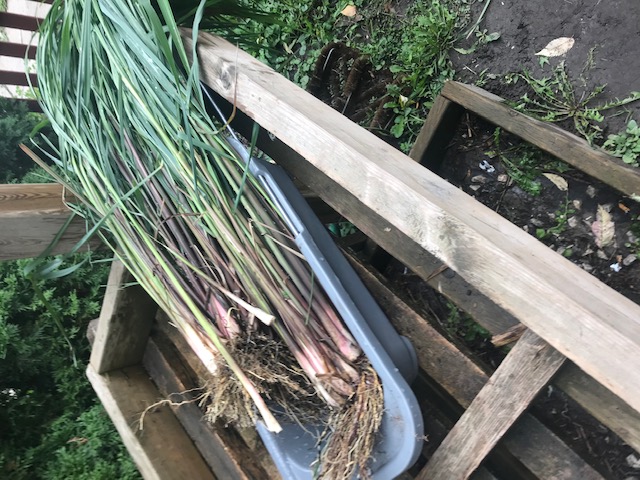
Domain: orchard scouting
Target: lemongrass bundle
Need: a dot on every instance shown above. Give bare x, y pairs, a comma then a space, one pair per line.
162, 186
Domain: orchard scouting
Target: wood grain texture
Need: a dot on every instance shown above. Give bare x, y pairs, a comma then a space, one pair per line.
162, 450
31, 215
529, 442
436, 133
526, 370
125, 322
549, 137
556, 299
601, 403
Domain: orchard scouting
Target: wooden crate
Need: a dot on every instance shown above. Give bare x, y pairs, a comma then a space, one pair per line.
432, 228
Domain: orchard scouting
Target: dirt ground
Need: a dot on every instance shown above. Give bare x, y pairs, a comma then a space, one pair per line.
611, 27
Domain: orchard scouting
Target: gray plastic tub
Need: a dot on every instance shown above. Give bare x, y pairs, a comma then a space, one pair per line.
399, 441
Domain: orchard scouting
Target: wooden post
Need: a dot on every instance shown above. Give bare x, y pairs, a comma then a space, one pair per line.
124, 325
437, 132
525, 371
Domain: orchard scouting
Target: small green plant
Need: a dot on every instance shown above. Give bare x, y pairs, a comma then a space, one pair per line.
423, 63
554, 99
460, 324
634, 244
342, 229
561, 217
626, 144
524, 163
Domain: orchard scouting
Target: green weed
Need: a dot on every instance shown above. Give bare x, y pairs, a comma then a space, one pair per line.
423, 62
460, 324
554, 99
626, 144
561, 217
524, 163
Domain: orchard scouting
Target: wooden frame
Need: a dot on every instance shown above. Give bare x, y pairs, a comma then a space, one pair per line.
556, 299
419, 218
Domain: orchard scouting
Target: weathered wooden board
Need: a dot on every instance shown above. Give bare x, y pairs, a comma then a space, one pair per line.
556, 299
551, 138
125, 395
31, 215
617, 415
436, 133
546, 457
125, 322
510, 390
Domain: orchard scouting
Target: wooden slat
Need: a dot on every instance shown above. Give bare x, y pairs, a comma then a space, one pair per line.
526, 370
31, 215
125, 322
8, 77
19, 50
604, 406
21, 22
162, 450
550, 138
529, 442
556, 299
436, 133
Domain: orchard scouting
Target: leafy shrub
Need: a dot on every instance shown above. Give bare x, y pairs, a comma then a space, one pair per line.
625, 145
16, 125
45, 398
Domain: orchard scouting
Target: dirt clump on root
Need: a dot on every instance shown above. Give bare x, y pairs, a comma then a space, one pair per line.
275, 374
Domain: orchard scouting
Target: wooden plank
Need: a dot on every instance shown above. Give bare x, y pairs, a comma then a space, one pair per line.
436, 133
125, 322
31, 215
556, 299
8, 77
162, 450
22, 22
222, 449
601, 403
528, 438
463, 380
526, 370
549, 137
19, 50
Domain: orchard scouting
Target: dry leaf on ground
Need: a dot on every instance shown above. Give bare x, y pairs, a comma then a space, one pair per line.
603, 228
349, 11
558, 181
557, 47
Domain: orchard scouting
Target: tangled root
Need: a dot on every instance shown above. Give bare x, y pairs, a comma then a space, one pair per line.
351, 431
277, 377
